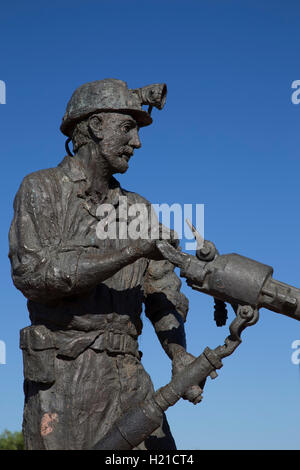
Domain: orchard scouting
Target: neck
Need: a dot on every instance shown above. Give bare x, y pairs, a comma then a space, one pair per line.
95, 168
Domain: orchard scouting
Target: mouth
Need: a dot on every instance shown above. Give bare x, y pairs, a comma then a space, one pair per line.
127, 155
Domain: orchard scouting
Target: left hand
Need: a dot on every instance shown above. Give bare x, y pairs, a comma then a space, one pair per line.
180, 361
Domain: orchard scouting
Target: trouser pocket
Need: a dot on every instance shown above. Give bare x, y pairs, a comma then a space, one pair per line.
39, 353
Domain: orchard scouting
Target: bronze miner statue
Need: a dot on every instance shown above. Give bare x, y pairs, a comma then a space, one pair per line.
82, 365
85, 386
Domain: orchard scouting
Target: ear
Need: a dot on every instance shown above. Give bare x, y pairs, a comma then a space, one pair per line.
95, 126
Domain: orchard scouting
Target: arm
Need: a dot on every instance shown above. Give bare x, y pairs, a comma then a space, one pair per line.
44, 265
167, 307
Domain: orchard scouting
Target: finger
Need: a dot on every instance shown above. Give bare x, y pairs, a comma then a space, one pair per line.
194, 400
193, 394
174, 239
170, 253
197, 400
165, 232
174, 242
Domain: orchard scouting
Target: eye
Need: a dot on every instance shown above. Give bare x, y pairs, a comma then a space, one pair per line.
127, 127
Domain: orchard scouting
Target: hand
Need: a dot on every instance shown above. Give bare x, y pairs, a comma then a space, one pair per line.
168, 235
146, 248
180, 361
169, 239
174, 255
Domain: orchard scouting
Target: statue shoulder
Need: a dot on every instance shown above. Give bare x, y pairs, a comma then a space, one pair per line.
38, 176
35, 185
135, 198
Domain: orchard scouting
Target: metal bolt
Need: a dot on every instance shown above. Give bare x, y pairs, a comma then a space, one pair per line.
246, 312
205, 250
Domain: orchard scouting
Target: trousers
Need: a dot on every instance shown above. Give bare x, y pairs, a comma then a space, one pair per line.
87, 396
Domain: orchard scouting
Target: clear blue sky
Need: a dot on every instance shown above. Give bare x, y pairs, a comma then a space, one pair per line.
228, 138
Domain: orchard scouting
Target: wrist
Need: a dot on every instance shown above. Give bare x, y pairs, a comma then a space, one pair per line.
176, 351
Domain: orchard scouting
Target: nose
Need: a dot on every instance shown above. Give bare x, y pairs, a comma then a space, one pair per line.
135, 139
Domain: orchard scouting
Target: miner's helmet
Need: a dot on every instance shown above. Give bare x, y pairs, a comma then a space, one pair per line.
112, 95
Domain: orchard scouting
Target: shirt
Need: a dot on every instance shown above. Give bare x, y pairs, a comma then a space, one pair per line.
54, 226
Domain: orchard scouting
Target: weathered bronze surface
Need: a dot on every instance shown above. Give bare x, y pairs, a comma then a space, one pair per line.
247, 285
85, 386
82, 366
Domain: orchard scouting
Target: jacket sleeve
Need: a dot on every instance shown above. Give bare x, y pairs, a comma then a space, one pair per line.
42, 268
162, 291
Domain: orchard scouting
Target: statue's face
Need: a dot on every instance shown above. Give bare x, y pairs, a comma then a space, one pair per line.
119, 138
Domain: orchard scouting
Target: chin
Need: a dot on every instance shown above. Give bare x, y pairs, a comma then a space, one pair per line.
121, 168
118, 164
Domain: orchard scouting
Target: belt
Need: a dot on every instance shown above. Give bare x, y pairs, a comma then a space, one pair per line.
115, 343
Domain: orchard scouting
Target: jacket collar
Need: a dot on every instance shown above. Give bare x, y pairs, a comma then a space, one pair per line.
72, 168
75, 172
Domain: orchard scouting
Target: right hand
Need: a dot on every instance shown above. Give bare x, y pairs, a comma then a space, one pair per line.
146, 248
179, 363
